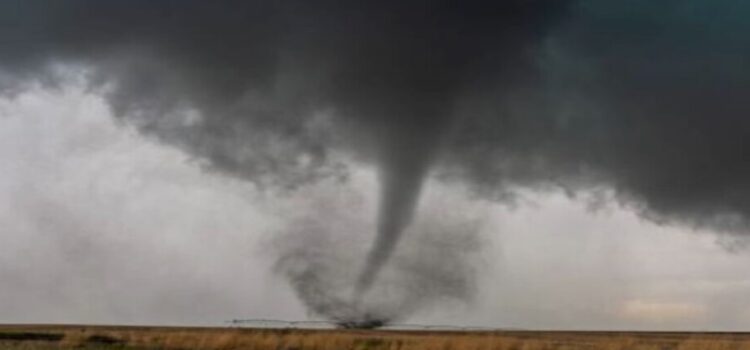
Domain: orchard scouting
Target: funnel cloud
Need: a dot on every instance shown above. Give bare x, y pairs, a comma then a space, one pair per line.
645, 98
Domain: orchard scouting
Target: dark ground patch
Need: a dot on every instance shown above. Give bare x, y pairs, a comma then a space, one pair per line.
30, 336
103, 340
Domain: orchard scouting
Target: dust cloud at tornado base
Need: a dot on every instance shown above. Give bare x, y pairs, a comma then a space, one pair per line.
437, 263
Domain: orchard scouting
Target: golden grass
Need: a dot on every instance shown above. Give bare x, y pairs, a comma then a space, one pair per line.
300, 339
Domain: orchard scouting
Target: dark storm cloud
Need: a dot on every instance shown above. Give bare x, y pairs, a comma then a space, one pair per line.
261, 73
647, 98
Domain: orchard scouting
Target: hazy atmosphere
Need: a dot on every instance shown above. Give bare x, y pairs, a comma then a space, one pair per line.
529, 164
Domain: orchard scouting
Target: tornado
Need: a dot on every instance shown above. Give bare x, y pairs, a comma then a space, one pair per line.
404, 163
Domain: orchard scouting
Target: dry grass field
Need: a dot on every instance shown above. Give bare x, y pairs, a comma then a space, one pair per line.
105, 337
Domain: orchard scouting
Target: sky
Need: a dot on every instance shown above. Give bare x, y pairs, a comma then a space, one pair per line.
572, 164
104, 225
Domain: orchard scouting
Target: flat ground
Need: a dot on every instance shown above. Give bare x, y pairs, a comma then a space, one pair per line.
112, 337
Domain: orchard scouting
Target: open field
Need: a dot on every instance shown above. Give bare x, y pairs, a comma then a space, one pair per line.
111, 337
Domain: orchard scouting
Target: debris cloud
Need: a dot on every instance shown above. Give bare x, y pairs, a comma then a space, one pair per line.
437, 263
